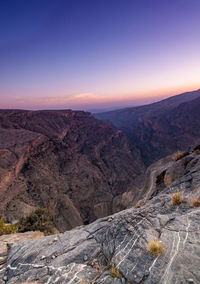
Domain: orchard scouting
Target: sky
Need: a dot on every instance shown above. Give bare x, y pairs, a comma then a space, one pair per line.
97, 54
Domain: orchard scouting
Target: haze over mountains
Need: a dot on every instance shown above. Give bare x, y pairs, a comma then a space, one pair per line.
161, 128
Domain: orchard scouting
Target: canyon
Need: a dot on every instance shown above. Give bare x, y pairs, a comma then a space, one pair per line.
66, 161
114, 249
111, 181
161, 128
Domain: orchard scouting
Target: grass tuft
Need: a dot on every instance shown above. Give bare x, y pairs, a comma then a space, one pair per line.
155, 248
195, 202
137, 205
179, 155
115, 272
177, 199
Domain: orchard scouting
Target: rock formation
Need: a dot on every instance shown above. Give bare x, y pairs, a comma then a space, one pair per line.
65, 160
86, 254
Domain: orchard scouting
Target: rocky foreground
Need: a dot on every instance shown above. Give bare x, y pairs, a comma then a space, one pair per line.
86, 254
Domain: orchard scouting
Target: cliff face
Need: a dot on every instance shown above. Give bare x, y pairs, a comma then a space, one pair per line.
87, 253
161, 128
64, 160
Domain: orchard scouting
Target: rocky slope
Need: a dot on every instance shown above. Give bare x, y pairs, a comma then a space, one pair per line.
64, 160
161, 128
7, 240
87, 253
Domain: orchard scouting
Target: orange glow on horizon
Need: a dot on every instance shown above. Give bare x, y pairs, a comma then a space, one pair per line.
86, 100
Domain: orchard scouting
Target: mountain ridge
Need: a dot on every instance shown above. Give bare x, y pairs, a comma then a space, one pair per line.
169, 102
161, 128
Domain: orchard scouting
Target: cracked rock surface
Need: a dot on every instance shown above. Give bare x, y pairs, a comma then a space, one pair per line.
87, 253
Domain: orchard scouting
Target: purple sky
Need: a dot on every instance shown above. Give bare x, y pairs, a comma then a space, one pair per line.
97, 53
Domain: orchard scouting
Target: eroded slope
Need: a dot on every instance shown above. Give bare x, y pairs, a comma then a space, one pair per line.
64, 160
87, 253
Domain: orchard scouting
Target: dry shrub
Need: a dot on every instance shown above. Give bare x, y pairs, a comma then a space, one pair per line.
137, 205
177, 199
195, 202
7, 229
155, 248
115, 272
39, 220
179, 155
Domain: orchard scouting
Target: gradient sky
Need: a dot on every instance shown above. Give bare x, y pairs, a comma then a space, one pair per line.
97, 53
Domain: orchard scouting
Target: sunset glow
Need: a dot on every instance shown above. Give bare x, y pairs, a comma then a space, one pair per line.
97, 54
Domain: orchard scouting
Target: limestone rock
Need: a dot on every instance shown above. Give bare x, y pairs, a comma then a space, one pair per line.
88, 253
